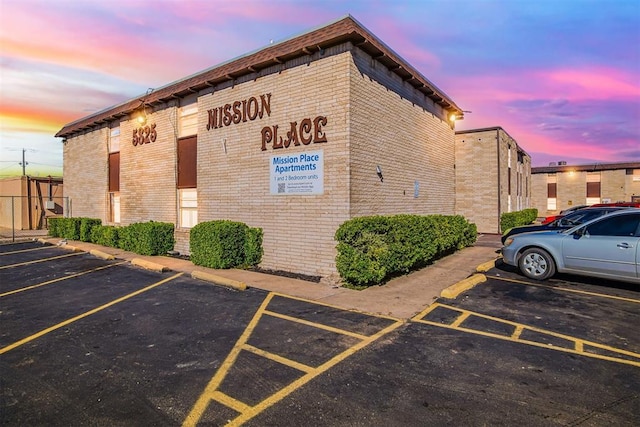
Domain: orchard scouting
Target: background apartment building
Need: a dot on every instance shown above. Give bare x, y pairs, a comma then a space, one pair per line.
559, 186
493, 176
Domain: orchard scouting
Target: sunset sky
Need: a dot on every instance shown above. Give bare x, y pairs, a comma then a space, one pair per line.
561, 77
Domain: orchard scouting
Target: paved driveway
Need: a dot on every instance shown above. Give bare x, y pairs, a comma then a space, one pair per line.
86, 341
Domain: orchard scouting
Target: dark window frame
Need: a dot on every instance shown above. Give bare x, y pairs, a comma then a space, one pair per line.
114, 172
593, 189
187, 162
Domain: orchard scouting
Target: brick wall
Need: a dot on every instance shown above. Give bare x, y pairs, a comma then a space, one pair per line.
477, 179
539, 193
407, 135
147, 171
631, 186
86, 168
234, 172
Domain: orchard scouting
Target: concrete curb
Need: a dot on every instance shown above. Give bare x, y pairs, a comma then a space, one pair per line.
101, 254
71, 248
218, 280
453, 291
148, 265
484, 267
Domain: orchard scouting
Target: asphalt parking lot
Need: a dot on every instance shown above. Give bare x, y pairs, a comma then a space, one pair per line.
87, 341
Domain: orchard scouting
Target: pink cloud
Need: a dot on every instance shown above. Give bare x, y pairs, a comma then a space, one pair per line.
572, 85
602, 83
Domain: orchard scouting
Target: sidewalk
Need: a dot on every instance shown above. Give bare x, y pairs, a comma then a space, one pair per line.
7, 235
402, 297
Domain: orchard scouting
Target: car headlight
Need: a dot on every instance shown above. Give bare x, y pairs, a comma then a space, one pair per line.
508, 241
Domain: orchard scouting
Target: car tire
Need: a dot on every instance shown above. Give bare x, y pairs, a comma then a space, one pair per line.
537, 264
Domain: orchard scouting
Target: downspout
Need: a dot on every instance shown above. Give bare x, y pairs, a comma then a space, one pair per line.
499, 187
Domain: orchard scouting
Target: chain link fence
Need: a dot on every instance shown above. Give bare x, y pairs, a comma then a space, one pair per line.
24, 217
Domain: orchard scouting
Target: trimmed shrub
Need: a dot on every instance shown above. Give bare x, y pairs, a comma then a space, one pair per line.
55, 227
105, 235
362, 261
253, 247
86, 227
147, 238
509, 220
73, 228
225, 244
376, 248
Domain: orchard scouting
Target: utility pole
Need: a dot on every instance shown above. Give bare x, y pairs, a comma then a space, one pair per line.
23, 164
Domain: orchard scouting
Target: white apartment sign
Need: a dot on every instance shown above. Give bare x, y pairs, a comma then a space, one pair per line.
297, 174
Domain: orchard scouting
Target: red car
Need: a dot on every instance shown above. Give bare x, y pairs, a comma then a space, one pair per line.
622, 204
597, 205
563, 213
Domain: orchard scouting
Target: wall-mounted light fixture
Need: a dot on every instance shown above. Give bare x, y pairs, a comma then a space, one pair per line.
457, 116
142, 114
379, 172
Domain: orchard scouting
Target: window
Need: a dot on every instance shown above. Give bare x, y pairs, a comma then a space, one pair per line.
114, 207
187, 162
188, 123
623, 225
593, 188
114, 140
552, 191
187, 182
114, 175
188, 199
114, 172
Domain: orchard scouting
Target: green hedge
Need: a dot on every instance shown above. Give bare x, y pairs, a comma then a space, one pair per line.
87, 225
55, 227
73, 228
105, 235
147, 238
509, 220
225, 244
373, 249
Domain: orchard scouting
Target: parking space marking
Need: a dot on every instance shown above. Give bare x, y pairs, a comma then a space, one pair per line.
315, 325
28, 288
20, 264
25, 250
86, 314
246, 411
578, 346
575, 291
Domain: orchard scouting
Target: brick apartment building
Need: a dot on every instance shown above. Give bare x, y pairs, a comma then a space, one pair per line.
559, 186
493, 176
295, 138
